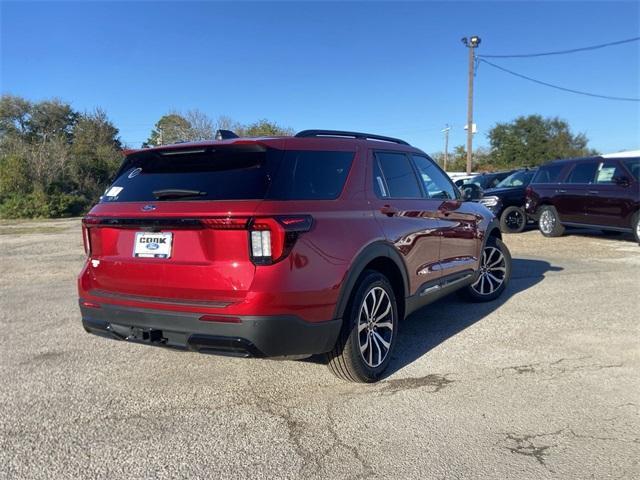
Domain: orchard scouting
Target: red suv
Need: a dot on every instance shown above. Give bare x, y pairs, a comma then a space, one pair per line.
596, 192
283, 247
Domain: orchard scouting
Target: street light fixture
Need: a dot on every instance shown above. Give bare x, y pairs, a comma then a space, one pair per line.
471, 43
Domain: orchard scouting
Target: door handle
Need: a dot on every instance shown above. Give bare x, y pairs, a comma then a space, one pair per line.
593, 192
561, 191
388, 210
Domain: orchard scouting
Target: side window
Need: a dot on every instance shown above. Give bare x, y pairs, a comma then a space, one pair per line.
633, 165
436, 184
548, 174
394, 176
583, 172
609, 170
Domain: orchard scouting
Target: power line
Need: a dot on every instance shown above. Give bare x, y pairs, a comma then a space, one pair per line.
563, 52
607, 97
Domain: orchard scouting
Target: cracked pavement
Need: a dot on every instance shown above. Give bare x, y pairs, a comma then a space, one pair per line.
543, 383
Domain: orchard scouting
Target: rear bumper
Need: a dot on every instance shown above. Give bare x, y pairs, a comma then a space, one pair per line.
250, 336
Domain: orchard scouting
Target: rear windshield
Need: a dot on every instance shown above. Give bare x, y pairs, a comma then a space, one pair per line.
549, 173
229, 173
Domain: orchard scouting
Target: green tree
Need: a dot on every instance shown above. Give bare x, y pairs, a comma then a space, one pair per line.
264, 128
533, 140
15, 113
171, 128
54, 161
95, 153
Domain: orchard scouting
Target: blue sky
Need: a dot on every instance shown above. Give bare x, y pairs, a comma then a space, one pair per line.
393, 68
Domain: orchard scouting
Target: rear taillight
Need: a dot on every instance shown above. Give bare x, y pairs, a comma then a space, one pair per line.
271, 239
86, 233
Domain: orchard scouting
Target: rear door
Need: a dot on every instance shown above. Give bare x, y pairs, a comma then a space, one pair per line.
611, 197
571, 196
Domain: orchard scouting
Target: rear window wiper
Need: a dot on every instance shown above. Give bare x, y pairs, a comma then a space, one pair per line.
168, 193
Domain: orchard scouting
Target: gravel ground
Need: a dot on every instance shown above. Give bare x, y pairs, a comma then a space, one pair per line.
544, 383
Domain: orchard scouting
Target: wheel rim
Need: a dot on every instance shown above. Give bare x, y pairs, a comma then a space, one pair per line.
493, 268
514, 220
547, 221
375, 327
638, 229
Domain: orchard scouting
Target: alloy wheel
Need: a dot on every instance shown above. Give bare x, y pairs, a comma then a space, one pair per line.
547, 222
514, 220
493, 268
375, 327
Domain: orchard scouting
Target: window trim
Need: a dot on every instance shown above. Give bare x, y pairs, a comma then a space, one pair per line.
384, 178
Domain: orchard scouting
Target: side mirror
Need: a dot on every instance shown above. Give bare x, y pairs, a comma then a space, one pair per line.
471, 192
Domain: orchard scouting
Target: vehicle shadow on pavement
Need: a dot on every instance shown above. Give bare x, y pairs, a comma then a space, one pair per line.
434, 324
604, 235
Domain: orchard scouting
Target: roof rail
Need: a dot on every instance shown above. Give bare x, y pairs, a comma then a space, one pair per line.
340, 133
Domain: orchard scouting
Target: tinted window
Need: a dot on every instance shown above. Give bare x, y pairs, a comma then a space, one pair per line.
435, 181
398, 174
229, 173
311, 175
609, 171
549, 173
220, 174
633, 165
518, 179
584, 172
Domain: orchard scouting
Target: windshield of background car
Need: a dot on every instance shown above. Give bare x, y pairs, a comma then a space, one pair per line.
518, 179
239, 172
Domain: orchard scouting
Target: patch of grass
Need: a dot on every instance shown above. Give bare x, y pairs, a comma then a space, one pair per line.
24, 230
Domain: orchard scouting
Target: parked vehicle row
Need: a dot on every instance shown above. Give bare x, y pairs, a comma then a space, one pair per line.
595, 192
319, 243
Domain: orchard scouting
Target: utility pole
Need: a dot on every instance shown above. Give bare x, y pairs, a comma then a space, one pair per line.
446, 146
471, 43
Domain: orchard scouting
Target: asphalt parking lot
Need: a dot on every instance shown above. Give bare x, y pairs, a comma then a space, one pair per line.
544, 383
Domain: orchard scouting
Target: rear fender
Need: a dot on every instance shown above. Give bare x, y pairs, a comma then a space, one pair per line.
365, 257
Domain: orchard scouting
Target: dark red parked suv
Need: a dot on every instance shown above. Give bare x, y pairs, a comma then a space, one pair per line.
595, 192
283, 247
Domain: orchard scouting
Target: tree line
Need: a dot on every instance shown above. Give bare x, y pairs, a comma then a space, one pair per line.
56, 161
526, 141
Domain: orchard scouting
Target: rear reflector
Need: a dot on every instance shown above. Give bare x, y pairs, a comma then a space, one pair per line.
225, 223
220, 319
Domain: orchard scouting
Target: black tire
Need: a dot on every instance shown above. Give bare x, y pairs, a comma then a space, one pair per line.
346, 360
635, 225
549, 222
496, 273
513, 220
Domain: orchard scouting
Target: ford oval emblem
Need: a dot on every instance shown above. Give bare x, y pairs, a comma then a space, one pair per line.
148, 208
152, 246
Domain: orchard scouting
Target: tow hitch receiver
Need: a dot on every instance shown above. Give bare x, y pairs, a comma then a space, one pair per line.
137, 334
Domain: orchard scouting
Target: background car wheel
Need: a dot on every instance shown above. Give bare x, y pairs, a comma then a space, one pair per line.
513, 220
549, 222
494, 274
370, 327
635, 224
